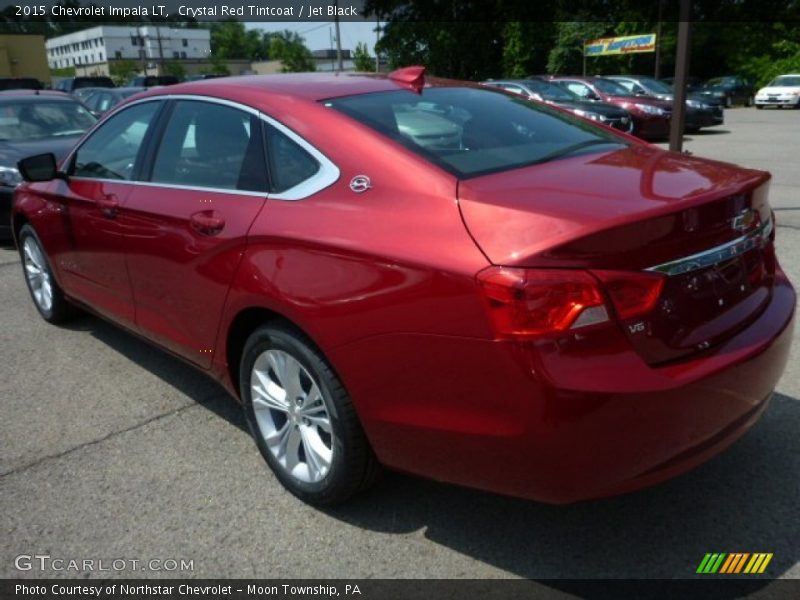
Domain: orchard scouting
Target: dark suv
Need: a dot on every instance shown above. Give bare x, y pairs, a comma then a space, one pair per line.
71, 84
152, 80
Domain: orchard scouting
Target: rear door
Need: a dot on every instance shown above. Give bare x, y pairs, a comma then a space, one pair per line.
187, 222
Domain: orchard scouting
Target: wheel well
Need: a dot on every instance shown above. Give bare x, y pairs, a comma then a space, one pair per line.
19, 222
243, 325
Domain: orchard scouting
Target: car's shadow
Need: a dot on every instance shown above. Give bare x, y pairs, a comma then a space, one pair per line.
744, 500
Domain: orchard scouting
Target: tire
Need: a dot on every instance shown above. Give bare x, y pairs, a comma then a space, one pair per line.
47, 296
759, 107
314, 443
728, 101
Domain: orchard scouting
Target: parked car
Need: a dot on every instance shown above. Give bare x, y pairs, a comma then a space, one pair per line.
552, 309
83, 93
701, 111
32, 122
782, 91
19, 83
543, 91
729, 90
203, 76
102, 100
651, 117
152, 80
70, 84
693, 84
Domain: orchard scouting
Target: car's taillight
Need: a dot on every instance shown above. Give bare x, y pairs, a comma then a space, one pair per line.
632, 294
525, 303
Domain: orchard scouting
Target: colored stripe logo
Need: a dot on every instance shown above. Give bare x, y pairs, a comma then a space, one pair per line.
734, 563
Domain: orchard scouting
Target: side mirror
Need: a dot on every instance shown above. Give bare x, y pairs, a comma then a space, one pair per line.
41, 167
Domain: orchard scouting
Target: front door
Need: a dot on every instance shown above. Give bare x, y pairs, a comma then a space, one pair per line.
93, 262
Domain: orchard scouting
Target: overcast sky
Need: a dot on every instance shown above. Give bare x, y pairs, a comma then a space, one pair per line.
318, 35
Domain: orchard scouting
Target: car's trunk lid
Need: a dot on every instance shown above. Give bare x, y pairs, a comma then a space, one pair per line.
639, 209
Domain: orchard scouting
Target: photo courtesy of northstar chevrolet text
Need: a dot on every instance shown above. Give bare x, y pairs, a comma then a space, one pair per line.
282, 281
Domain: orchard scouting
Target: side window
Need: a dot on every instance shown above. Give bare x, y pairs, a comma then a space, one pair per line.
211, 145
289, 164
111, 151
628, 85
578, 88
516, 89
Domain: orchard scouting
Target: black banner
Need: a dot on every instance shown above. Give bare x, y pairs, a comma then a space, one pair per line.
399, 589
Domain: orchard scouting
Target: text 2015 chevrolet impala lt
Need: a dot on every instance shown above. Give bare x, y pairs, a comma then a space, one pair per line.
432, 276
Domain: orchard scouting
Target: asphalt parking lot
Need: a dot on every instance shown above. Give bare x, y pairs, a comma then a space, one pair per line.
112, 449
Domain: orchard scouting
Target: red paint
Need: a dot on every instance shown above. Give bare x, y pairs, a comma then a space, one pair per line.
386, 284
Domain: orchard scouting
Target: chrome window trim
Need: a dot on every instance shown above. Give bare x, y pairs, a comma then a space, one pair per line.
327, 175
717, 254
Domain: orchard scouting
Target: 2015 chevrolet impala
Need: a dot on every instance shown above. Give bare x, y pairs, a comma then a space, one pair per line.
432, 276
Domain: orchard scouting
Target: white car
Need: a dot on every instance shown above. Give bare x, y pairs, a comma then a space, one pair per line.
784, 90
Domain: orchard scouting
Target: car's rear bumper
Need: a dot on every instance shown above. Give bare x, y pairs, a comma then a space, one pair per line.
579, 418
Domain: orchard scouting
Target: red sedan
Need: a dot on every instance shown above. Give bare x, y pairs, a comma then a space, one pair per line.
651, 116
432, 276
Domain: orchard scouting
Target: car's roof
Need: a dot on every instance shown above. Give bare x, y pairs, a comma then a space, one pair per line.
308, 86
33, 95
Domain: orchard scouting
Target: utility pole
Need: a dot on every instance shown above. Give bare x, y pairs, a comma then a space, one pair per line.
333, 60
338, 37
160, 70
583, 52
377, 39
657, 74
681, 72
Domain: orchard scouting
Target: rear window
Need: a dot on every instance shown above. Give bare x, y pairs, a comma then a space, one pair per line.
471, 132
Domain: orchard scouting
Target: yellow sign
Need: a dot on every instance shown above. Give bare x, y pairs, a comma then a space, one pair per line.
628, 44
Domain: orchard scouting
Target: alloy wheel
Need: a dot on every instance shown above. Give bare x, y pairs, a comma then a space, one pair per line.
38, 274
292, 416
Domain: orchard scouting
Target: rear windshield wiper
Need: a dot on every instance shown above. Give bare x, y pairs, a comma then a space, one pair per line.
574, 148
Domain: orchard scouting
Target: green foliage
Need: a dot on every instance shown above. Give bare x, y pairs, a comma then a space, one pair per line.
122, 70
230, 39
216, 66
525, 47
289, 48
63, 72
473, 39
361, 58
175, 69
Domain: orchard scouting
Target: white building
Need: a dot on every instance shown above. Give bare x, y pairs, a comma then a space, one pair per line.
145, 43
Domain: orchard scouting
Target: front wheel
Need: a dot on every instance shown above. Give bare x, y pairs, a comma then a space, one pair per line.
47, 295
302, 419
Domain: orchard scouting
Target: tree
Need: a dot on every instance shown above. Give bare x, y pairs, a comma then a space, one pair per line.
175, 69
122, 70
289, 48
361, 58
216, 66
230, 39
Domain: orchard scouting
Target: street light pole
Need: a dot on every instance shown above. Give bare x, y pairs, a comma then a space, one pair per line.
681, 72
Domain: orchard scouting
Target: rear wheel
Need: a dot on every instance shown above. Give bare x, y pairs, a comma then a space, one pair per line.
47, 295
302, 418
759, 106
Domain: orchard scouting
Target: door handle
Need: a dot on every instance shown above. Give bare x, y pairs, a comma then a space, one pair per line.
207, 222
108, 205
